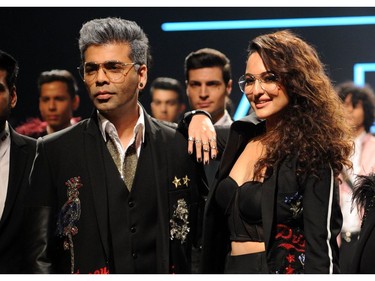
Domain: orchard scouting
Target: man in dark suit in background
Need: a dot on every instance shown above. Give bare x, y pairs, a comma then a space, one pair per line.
93, 211
208, 82
58, 99
167, 99
16, 157
208, 74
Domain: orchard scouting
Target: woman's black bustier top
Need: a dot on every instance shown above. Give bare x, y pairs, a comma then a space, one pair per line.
242, 206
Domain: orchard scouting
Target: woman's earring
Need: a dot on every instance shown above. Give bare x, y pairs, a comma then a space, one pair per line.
141, 84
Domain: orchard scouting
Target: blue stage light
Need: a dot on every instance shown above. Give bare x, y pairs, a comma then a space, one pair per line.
242, 108
266, 23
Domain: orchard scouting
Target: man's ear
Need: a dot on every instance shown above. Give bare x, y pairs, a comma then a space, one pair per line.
182, 108
229, 87
13, 97
75, 103
142, 73
186, 86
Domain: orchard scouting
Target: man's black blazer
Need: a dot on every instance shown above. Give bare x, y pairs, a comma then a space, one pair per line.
363, 259
22, 152
80, 151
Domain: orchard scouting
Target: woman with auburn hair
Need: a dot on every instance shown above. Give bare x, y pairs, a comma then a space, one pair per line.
274, 206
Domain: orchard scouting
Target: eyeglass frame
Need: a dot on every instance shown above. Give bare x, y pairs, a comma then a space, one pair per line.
81, 69
242, 80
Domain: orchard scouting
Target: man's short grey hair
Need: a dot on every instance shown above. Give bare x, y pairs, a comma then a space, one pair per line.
115, 30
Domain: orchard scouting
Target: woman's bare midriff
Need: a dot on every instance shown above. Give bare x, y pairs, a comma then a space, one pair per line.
243, 248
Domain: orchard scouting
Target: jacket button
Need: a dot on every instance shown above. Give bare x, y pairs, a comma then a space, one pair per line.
132, 229
131, 204
134, 255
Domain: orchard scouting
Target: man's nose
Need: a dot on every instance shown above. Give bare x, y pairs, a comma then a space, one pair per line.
163, 107
203, 91
51, 104
102, 74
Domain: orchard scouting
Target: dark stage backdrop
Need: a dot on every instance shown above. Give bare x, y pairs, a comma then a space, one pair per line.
44, 38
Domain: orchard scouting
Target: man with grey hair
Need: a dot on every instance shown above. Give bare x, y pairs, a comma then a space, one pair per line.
118, 192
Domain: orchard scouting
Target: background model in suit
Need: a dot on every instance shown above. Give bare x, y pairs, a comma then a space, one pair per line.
359, 106
58, 99
16, 157
167, 99
208, 80
208, 74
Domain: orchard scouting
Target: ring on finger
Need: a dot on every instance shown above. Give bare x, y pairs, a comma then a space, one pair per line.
191, 139
213, 147
198, 141
206, 149
205, 143
212, 139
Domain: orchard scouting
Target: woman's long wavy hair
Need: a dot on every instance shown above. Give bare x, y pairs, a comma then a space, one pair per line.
313, 126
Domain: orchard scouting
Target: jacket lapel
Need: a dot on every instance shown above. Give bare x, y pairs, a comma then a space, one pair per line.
18, 161
93, 146
160, 165
242, 132
365, 234
268, 205
230, 155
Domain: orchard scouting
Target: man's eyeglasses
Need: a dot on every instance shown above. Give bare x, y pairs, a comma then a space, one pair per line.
114, 70
267, 80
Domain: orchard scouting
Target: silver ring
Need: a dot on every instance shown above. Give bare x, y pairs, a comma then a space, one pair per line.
191, 139
212, 139
198, 141
205, 143
213, 147
206, 149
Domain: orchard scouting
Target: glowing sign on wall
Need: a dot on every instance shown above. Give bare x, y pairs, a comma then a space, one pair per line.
359, 72
359, 78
